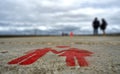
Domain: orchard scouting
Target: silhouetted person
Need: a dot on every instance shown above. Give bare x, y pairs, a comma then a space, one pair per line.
96, 25
62, 33
103, 26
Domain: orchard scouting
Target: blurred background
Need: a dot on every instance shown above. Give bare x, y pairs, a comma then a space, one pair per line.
53, 17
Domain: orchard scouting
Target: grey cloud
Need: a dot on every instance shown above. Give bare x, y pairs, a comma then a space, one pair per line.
24, 14
101, 3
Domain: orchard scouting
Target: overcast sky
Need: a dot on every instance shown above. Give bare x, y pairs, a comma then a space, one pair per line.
56, 16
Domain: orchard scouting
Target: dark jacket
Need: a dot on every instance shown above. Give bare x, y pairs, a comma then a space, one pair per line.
96, 24
103, 25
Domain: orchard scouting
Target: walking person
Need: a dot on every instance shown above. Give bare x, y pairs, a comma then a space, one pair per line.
96, 25
103, 26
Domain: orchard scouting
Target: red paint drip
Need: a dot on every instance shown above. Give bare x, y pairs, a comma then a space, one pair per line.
70, 61
82, 61
31, 57
17, 60
78, 54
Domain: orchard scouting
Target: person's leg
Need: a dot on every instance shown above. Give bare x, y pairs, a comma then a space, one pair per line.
104, 32
96, 31
93, 31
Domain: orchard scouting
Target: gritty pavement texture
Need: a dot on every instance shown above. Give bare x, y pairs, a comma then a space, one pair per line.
105, 60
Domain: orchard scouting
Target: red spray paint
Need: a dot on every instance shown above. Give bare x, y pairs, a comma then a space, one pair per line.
70, 54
